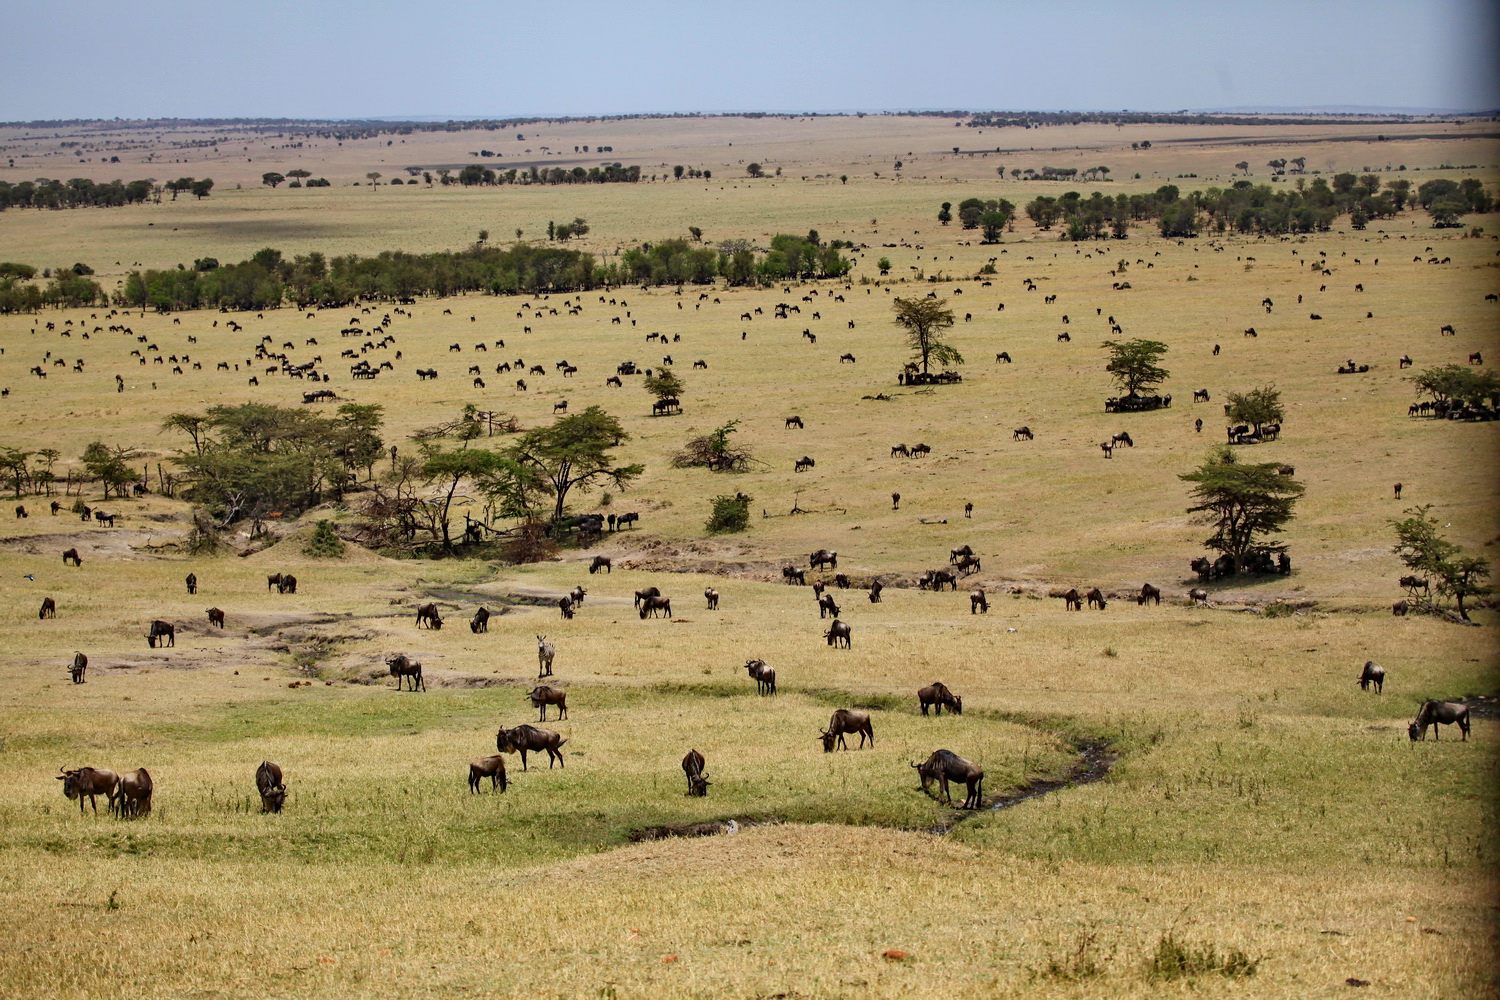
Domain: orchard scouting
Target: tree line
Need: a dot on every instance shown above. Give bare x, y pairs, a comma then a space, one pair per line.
80, 192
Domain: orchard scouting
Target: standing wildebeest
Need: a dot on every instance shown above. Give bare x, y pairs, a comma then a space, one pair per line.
1373, 673
21, 511
967, 565
1148, 593
1095, 596
49, 608
918, 450
651, 605
1122, 438
937, 693
215, 618
712, 596
803, 463
823, 557
901, 450
1108, 447
492, 767
578, 594
765, 677
1397, 490
978, 602
692, 766
1198, 596
838, 633
847, 721
1400, 608
954, 555
792, 574
642, 595
1433, 713
793, 422
288, 584
71, 555
529, 739
429, 613
133, 797
946, 766
565, 606
270, 786
875, 589
826, 607
401, 667
90, 781
1071, 600
543, 695
601, 562
273, 581
161, 632
192, 583
79, 668
545, 651
841, 581
1021, 434
481, 621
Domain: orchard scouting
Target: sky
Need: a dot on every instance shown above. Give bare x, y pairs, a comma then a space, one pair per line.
499, 58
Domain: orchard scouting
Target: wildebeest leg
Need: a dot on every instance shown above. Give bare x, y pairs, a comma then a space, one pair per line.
943, 784
523, 758
551, 753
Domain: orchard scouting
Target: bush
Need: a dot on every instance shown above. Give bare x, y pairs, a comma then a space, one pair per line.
530, 544
325, 543
1174, 959
729, 514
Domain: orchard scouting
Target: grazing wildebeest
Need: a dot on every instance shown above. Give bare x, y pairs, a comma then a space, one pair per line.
402, 666
792, 574
937, 694
847, 721
1003, 356
104, 518
1200, 395
49, 608
1095, 596
1198, 596
978, 602
524, 739
1373, 673
545, 651
543, 695
901, 450
839, 633
1021, 434
802, 464
918, 450
1148, 593
21, 511
71, 555
192, 583
651, 605
90, 781
601, 562
288, 584
822, 558
133, 797
712, 596
1433, 713
492, 767
481, 621
270, 786
79, 668
215, 618
826, 607
1405, 362
429, 613
565, 606
56, 506
1071, 600
946, 766
967, 565
641, 595
160, 631
697, 780
577, 594
765, 677
841, 581
954, 555
937, 577
875, 589
1122, 438
794, 422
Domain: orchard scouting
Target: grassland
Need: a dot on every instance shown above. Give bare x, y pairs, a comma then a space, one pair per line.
1257, 801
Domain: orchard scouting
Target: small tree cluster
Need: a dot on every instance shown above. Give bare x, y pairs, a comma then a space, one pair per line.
1257, 407
713, 452
1243, 503
324, 543
729, 514
1449, 570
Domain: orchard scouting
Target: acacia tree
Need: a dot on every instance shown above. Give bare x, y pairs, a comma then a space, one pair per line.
574, 453
1257, 407
110, 466
1133, 363
925, 321
663, 383
271, 179
446, 470
1243, 503
1451, 571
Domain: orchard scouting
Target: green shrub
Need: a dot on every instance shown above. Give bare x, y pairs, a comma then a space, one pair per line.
325, 543
729, 514
1174, 959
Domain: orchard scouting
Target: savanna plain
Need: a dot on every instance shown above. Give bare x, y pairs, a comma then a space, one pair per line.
1226, 812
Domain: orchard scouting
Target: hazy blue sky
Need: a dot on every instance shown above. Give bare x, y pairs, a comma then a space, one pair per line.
346, 59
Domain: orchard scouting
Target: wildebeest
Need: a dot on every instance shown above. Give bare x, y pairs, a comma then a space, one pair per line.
875, 589
524, 739
577, 594
215, 618
1373, 673
90, 781
1021, 434
954, 555
791, 574
492, 767
601, 562
712, 596
543, 695
1200, 395
822, 558
565, 606
841, 581
273, 581
192, 583
1434, 713
1122, 438
764, 676
793, 421
651, 605
21, 511
402, 666
161, 632
1148, 594
270, 786
978, 602
1108, 447
49, 608
901, 450
79, 668
545, 651
697, 780
481, 621
839, 633
937, 694
428, 613
642, 595
71, 555
288, 584
918, 450
826, 607
967, 565
1003, 356
946, 766
133, 797
1198, 596
847, 721
802, 464
1400, 608
1095, 596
